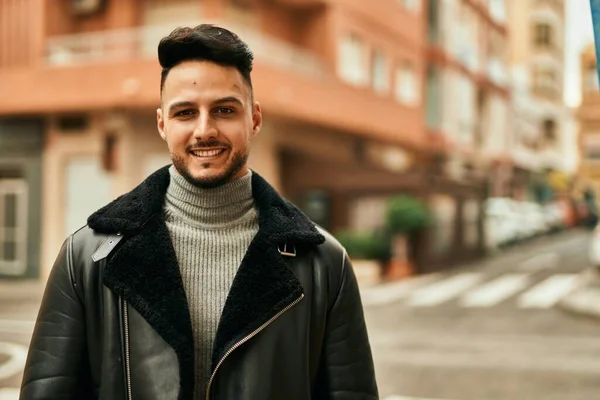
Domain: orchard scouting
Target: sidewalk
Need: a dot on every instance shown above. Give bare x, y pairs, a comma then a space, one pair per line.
585, 301
12, 290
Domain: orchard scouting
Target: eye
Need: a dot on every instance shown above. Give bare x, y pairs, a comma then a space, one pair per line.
185, 113
225, 110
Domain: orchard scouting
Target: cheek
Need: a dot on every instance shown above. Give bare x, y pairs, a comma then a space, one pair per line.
177, 136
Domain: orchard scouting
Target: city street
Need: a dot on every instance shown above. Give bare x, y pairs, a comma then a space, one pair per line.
489, 331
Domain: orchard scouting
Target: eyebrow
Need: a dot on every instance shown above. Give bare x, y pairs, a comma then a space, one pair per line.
187, 103
182, 104
229, 99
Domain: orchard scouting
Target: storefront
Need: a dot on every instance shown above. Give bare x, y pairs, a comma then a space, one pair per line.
349, 187
21, 143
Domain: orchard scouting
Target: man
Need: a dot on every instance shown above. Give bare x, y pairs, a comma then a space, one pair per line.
202, 282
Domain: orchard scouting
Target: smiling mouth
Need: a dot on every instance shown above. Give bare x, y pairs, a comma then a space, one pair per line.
207, 153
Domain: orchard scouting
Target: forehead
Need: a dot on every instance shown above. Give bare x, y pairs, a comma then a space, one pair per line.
203, 81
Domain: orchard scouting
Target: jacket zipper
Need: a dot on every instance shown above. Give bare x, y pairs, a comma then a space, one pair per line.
245, 339
127, 357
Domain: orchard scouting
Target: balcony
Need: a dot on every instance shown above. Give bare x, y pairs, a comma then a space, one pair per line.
118, 69
141, 43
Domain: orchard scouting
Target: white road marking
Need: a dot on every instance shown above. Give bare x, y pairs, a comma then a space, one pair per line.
540, 262
9, 394
440, 292
16, 362
495, 291
391, 292
16, 326
547, 293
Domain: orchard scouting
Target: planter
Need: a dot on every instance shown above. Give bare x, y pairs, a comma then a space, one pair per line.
399, 265
368, 272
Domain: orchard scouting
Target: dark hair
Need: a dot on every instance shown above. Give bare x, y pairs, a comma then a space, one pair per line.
204, 43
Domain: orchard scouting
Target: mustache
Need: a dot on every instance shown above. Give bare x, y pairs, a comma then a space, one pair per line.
207, 144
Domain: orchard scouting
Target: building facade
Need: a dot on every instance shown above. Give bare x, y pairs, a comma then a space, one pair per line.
467, 114
543, 131
589, 124
340, 83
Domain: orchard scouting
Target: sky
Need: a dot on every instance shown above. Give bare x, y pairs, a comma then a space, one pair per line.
578, 35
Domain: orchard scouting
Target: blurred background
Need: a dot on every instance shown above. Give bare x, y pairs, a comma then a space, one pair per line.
451, 145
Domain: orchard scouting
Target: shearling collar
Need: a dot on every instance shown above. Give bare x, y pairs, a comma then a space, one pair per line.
143, 268
280, 220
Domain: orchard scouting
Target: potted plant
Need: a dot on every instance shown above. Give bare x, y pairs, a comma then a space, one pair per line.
406, 215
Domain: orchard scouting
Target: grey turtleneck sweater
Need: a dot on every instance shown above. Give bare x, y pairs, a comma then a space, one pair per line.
211, 230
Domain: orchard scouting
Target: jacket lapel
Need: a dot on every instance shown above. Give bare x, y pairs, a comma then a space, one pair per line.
264, 285
144, 271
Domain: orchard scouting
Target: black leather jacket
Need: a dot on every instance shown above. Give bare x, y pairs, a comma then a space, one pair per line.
114, 322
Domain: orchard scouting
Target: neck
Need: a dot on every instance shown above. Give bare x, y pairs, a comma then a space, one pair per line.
221, 206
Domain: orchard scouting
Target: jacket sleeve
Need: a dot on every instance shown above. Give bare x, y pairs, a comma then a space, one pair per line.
56, 366
347, 371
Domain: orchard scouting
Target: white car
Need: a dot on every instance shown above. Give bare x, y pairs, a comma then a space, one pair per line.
533, 221
501, 222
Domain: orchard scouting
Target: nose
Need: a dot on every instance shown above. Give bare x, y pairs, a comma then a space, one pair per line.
205, 128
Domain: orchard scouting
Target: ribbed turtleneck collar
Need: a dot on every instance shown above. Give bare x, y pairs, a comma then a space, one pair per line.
225, 205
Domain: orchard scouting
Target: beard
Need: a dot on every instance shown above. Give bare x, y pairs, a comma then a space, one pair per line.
231, 169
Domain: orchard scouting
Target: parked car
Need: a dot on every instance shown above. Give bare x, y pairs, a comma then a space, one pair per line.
532, 219
554, 214
501, 222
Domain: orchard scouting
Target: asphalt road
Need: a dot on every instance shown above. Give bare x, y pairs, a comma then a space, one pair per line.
488, 331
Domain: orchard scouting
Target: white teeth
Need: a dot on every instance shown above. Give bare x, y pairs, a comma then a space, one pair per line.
206, 153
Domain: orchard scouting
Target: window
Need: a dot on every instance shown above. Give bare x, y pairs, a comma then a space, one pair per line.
466, 98
549, 130
379, 73
433, 99
368, 213
544, 79
351, 61
543, 35
13, 226
433, 21
317, 206
406, 90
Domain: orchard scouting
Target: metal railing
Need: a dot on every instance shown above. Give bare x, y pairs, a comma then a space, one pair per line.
127, 44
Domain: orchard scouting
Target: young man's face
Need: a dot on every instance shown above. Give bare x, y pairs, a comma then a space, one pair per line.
207, 118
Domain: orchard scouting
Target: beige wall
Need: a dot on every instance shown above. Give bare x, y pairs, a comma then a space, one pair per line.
519, 27
264, 155
60, 148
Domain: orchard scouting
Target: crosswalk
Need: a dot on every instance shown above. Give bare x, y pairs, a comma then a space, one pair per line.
475, 290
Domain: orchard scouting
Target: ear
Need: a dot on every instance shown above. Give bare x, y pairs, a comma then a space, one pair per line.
160, 123
256, 118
